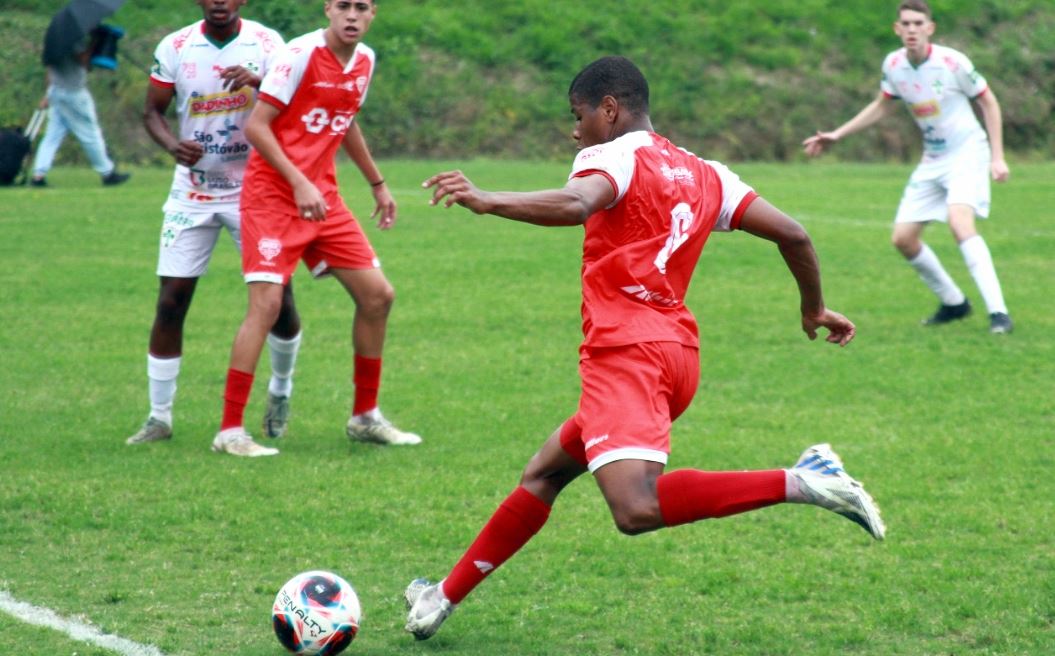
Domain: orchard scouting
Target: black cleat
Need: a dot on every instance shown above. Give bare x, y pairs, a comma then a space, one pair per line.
948, 313
1000, 323
38, 182
114, 178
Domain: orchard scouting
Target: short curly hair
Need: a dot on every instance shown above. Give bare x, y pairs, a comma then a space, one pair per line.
611, 76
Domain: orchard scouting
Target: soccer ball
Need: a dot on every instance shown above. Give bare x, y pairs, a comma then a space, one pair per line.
316, 614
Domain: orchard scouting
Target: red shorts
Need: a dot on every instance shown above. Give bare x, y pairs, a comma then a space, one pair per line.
630, 397
273, 243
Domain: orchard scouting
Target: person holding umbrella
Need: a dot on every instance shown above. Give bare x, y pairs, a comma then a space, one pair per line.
68, 45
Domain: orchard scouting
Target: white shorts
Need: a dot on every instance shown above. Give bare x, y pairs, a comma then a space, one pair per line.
959, 178
188, 239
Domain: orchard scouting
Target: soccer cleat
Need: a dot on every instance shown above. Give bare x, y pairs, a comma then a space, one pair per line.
948, 313
38, 182
239, 443
154, 430
427, 608
822, 481
375, 429
276, 417
114, 178
1000, 323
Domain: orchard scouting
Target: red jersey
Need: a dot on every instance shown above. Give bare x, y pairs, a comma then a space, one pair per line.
318, 99
639, 253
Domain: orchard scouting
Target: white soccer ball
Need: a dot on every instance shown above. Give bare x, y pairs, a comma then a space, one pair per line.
316, 614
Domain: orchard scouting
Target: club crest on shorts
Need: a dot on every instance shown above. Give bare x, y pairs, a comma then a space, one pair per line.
269, 248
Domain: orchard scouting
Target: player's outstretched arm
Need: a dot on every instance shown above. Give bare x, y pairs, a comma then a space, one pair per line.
385, 205
572, 205
873, 112
763, 220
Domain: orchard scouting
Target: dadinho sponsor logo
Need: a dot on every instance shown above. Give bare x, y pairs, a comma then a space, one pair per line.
219, 103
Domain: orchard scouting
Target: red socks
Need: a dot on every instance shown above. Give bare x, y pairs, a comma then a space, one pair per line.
235, 398
367, 379
515, 522
689, 495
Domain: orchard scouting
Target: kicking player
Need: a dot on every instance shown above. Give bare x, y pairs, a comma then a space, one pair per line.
292, 210
951, 183
647, 207
212, 69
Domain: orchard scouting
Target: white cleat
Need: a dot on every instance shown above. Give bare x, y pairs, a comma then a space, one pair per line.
428, 608
154, 430
372, 427
239, 443
822, 481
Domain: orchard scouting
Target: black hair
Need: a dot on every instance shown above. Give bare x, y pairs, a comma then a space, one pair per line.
611, 76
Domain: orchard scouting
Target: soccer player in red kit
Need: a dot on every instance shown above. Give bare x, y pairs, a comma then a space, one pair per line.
292, 210
648, 207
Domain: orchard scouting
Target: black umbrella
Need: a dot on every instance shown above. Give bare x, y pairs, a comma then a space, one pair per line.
71, 24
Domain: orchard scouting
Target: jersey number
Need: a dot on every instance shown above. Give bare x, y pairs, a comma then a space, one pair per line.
681, 219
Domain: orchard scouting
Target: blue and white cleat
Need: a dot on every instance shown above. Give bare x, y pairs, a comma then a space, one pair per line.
822, 481
428, 608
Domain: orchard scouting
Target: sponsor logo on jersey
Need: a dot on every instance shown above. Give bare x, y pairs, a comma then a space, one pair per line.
219, 103
230, 149
679, 174
197, 177
938, 87
228, 130
265, 41
925, 109
181, 39
594, 441
280, 74
319, 119
642, 293
269, 248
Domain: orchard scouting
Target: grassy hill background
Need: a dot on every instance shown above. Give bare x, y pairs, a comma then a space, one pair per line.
741, 80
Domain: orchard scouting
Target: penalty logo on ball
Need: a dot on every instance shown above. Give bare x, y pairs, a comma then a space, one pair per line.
316, 614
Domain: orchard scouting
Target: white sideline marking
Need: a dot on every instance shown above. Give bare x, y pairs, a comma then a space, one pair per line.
76, 630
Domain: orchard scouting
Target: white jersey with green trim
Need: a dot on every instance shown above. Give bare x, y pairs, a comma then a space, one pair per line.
190, 62
938, 94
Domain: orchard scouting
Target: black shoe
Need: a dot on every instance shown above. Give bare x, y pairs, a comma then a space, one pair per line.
948, 313
1000, 323
114, 178
38, 182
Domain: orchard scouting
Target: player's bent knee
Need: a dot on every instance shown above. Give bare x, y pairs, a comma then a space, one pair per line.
637, 519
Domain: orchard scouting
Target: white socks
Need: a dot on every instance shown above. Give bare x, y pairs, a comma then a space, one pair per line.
934, 276
283, 357
980, 264
162, 374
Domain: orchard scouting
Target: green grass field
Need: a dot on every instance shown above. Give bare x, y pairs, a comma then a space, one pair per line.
951, 429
